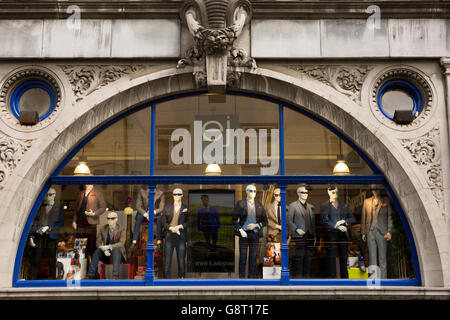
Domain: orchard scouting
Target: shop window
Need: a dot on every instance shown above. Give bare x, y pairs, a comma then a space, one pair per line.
400, 101
121, 149
33, 96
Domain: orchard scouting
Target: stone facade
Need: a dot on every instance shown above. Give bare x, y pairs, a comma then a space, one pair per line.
415, 159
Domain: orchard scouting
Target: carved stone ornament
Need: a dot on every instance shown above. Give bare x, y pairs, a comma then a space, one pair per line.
425, 153
412, 76
17, 77
86, 79
215, 25
345, 79
11, 153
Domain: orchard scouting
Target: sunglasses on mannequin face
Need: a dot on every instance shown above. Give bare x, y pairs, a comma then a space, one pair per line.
303, 192
178, 194
276, 194
111, 218
251, 191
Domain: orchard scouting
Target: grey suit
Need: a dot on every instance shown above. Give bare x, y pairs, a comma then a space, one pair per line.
376, 222
296, 218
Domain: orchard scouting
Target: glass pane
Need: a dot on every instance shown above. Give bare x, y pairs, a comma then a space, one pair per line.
35, 99
312, 149
239, 135
359, 234
121, 149
396, 100
210, 244
79, 231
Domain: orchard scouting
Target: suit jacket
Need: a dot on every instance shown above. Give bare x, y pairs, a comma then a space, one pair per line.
166, 219
272, 219
55, 220
118, 240
95, 202
296, 218
142, 202
329, 219
240, 216
382, 214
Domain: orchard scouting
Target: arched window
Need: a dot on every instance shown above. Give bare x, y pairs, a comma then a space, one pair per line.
241, 189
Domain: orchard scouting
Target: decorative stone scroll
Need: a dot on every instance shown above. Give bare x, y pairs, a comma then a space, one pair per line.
86, 79
215, 25
11, 153
425, 153
345, 79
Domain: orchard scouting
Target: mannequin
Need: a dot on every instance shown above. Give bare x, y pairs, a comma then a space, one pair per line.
303, 231
110, 246
142, 211
44, 234
336, 217
174, 220
376, 227
274, 216
90, 205
249, 218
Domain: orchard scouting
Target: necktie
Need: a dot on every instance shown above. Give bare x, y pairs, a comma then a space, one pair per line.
279, 213
307, 220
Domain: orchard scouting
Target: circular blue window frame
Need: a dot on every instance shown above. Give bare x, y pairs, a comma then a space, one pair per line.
405, 87
20, 90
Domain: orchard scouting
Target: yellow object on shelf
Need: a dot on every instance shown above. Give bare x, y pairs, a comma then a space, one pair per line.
355, 273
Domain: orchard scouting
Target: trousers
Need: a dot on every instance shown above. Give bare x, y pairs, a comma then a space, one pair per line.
302, 255
250, 245
337, 247
116, 257
44, 245
377, 246
174, 241
137, 225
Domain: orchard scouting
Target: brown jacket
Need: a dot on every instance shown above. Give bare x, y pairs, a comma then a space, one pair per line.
272, 220
118, 240
380, 215
95, 202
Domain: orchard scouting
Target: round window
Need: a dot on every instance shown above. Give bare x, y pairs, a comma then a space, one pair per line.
33, 95
399, 95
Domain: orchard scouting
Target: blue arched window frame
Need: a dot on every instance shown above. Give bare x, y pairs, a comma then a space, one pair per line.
405, 87
152, 180
20, 90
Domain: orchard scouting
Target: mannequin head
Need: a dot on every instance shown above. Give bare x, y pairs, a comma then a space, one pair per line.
302, 193
333, 193
112, 218
177, 195
277, 195
50, 197
251, 192
205, 200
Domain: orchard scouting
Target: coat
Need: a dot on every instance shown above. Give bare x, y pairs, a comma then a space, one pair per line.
118, 240
328, 219
55, 220
166, 219
382, 214
296, 218
240, 216
95, 202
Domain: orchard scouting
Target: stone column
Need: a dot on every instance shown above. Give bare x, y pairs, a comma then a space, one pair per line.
445, 62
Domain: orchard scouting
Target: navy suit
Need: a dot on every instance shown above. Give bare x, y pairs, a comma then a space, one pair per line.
337, 241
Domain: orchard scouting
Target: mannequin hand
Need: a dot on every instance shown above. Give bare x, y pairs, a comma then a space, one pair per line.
185, 210
315, 240
146, 215
89, 213
278, 227
364, 238
388, 236
243, 233
158, 242
74, 225
300, 232
43, 230
107, 253
339, 223
252, 226
104, 248
32, 242
342, 228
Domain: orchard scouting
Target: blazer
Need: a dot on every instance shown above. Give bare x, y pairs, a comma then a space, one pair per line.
382, 214
240, 216
118, 240
95, 202
166, 219
296, 218
272, 220
142, 202
329, 219
55, 220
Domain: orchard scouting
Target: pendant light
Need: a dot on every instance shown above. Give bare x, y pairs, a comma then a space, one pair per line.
82, 169
341, 168
213, 169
